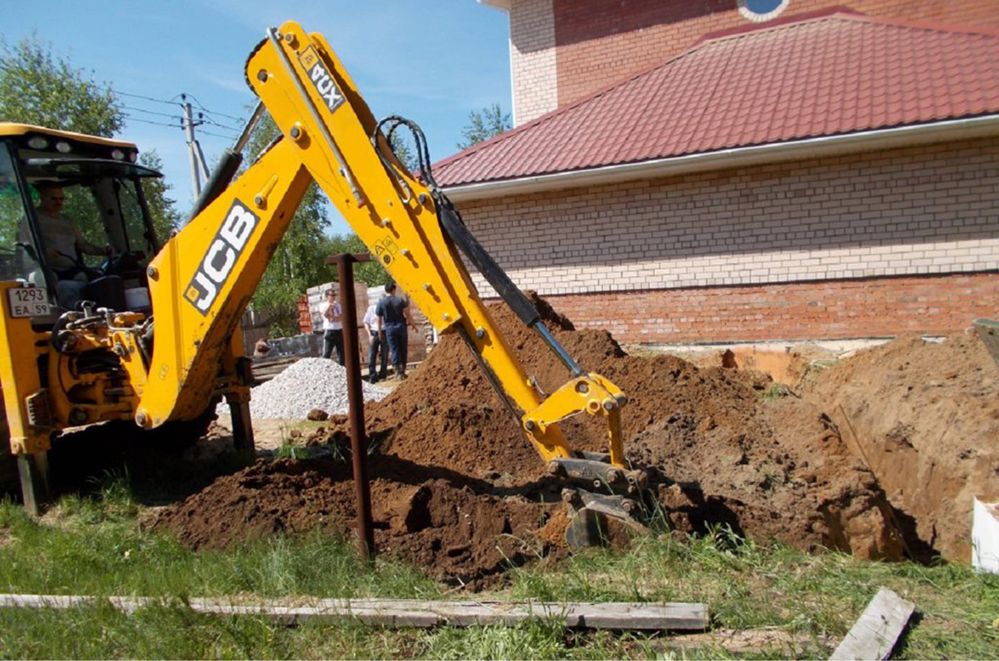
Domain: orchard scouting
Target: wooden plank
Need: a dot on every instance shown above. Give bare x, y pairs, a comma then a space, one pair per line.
876, 632
415, 613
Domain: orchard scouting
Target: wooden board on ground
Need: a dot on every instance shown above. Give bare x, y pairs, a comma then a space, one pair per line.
413, 612
878, 629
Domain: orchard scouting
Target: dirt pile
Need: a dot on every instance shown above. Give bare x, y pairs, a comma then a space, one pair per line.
451, 525
458, 490
925, 417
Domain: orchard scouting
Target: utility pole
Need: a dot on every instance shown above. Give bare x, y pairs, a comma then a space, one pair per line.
198, 164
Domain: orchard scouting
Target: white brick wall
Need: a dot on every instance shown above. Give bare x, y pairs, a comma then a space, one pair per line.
924, 210
532, 59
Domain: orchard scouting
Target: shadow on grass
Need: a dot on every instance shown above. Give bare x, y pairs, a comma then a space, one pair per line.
160, 468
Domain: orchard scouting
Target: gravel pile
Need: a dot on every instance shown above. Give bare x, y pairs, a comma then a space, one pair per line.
310, 383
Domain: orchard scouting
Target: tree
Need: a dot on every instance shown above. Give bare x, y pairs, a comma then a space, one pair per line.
299, 260
484, 124
39, 88
370, 273
164, 215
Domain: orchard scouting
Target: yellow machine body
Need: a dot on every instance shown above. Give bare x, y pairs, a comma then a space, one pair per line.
201, 280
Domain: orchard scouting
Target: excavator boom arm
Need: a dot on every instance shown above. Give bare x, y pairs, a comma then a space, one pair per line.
207, 273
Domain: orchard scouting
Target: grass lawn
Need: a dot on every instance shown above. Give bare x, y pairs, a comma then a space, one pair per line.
93, 546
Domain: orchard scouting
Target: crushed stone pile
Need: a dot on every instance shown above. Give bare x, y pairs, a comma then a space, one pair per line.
457, 490
309, 383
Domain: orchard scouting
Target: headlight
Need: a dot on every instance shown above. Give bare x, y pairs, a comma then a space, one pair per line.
63, 147
118, 155
38, 142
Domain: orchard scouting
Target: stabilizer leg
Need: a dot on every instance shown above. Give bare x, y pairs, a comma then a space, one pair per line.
242, 428
33, 469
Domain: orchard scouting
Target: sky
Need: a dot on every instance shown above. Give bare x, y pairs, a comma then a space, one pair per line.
433, 61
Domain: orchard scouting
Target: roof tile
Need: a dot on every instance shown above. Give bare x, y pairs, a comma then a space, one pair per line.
824, 75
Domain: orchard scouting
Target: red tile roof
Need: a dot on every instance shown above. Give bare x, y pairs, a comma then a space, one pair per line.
825, 75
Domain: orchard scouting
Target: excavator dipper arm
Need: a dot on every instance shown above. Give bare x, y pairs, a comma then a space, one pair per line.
204, 278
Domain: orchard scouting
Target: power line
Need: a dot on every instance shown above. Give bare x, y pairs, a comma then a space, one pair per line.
215, 112
234, 129
217, 135
174, 102
153, 112
133, 118
147, 98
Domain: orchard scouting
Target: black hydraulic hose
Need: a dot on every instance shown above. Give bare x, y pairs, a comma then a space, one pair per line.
228, 165
454, 227
486, 265
221, 177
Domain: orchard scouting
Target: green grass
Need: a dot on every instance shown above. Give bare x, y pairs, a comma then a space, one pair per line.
95, 546
748, 586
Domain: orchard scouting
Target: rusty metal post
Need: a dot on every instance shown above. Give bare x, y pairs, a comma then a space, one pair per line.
355, 414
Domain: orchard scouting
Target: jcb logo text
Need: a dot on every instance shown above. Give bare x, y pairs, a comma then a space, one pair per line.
222, 254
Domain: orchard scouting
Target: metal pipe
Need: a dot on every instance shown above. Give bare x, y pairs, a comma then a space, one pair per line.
251, 124
355, 397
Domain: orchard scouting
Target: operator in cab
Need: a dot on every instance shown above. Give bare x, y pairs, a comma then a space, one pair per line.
63, 243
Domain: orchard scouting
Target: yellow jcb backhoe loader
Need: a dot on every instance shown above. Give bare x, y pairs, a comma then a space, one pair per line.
156, 339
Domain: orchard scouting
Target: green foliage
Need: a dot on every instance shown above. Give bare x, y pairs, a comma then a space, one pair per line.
164, 214
299, 261
371, 273
403, 151
484, 124
777, 391
37, 87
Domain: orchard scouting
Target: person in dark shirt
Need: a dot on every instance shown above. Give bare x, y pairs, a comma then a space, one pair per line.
393, 318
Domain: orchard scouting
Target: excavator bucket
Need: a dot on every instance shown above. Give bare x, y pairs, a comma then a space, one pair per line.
601, 520
605, 501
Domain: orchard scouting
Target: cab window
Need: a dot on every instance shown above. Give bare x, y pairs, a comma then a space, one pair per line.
17, 256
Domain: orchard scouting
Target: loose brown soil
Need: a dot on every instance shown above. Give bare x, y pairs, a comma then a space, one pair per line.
457, 490
925, 417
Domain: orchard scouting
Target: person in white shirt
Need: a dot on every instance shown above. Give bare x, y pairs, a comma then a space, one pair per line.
332, 326
376, 346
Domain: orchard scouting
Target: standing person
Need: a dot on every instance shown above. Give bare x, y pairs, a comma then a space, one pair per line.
393, 317
332, 326
376, 345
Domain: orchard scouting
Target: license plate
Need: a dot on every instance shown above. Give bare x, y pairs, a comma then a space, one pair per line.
28, 302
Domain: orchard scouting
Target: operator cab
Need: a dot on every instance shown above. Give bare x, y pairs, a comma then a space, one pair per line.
99, 183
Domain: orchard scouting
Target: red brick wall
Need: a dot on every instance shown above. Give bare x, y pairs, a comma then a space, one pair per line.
867, 307
600, 41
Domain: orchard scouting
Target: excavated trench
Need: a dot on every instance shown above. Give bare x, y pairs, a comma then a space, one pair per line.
456, 489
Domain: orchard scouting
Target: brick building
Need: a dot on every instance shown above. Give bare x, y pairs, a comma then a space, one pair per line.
739, 170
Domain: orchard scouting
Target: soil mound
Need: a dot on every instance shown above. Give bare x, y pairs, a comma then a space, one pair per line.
457, 488
459, 529
925, 417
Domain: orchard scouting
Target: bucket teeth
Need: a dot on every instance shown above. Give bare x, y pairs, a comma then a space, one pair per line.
601, 520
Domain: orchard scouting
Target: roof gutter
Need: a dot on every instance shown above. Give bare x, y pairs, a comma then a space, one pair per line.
863, 141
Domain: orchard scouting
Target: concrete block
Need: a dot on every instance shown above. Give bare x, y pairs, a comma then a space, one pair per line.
985, 536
